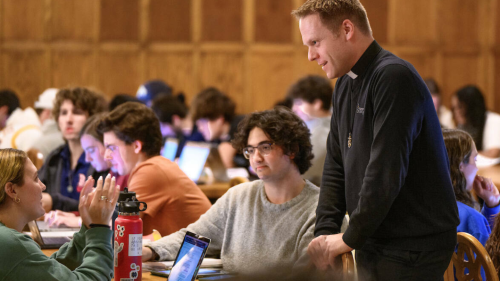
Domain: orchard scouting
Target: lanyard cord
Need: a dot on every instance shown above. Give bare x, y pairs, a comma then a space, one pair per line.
351, 119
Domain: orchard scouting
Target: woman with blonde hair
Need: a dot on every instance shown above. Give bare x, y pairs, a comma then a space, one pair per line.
20, 203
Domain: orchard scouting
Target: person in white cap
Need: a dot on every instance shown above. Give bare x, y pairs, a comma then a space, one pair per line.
51, 137
19, 128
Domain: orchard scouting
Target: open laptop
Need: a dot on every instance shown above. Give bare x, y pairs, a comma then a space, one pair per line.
188, 261
196, 155
44, 227
170, 148
49, 239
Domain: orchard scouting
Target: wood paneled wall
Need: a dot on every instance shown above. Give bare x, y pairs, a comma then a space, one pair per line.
251, 49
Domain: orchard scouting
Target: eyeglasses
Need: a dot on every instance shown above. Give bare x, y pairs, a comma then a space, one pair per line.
264, 149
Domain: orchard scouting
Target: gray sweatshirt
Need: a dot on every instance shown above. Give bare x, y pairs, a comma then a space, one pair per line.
252, 234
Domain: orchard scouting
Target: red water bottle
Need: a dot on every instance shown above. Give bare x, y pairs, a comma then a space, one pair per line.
128, 238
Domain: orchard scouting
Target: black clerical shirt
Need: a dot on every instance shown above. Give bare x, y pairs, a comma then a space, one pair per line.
394, 178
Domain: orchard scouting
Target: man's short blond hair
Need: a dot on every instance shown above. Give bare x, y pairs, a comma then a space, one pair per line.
333, 12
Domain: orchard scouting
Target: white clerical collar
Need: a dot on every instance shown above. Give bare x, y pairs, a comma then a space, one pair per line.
352, 74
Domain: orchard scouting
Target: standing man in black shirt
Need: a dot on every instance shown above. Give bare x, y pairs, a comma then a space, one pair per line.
386, 162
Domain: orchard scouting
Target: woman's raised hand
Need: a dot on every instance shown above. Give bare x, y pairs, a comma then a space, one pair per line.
97, 206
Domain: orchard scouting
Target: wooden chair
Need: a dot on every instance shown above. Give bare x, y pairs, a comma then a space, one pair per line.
468, 245
348, 268
36, 157
237, 180
344, 270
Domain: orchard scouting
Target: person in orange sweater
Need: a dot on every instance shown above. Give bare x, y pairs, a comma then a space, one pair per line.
133, 142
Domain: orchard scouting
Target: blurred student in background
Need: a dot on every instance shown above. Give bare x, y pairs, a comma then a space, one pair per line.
312, 101
214, 113
470, 115
92, 143
444, 114
18, 128
175, 121
151, 90
462, 155
133, 142
51, 137
63, 166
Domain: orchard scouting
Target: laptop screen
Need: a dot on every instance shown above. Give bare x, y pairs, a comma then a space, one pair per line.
170, 148
50, 239
189, 258
193, 158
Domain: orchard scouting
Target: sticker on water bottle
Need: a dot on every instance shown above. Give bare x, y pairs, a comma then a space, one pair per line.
135, 245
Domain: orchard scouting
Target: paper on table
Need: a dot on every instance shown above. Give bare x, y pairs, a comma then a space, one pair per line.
58, 234
163, 265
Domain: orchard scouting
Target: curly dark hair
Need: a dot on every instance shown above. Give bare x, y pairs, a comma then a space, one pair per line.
133, 121
459, 147
284, 128
311, 88
493, 244
472, 100
82, 98
212, 104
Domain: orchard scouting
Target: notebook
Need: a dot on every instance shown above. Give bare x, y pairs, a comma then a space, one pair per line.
50, 239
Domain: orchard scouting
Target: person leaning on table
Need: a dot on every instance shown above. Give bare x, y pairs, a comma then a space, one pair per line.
20, 203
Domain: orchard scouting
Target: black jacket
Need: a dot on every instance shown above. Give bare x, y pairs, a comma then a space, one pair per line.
394, 180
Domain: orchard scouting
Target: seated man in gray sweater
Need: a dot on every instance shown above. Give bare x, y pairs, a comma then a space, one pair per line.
264, 225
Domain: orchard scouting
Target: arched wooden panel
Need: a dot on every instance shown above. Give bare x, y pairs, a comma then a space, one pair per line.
170, 20
272, 73
73, 68
73, 20
118, 72
251, 49
175, 68
222, 20
224, 70
23, 72
23, 20
119, 20
273, 23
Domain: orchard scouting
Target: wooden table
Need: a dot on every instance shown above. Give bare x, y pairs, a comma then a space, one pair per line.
214, 190
145, 275
492, 172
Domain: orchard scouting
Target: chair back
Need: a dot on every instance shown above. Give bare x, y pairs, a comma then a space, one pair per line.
344, 270
36, 157
471, 255
348, 268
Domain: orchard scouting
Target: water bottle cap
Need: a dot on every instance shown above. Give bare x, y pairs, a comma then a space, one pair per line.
128, 203
126, 194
